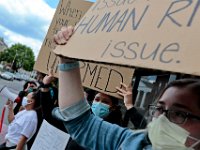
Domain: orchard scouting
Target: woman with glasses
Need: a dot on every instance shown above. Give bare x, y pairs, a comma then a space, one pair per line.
176, 116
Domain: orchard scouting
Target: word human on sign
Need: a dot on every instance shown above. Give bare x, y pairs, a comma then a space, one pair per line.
118, 21
105, 78
141, 33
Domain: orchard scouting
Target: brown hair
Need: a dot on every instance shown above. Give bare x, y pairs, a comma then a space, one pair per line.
193, 85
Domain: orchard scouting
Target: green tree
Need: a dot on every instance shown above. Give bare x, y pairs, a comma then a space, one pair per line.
20, 56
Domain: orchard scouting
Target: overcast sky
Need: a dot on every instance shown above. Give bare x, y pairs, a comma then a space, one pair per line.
26, 21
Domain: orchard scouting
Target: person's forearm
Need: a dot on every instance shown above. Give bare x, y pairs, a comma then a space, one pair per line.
129, 106
70, 87
11, 115
21, 143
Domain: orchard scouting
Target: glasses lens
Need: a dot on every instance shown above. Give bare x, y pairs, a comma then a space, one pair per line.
155, 111
151, 110
177, 117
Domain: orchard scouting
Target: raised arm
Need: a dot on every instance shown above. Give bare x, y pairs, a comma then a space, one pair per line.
10, 111
75, 112
132, 113
126, 93
70, 87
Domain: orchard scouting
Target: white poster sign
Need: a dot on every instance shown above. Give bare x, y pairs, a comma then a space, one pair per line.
50, 138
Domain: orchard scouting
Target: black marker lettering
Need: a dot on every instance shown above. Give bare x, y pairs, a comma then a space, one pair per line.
169, 14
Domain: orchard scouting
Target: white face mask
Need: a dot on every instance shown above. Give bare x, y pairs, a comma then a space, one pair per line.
165, 135
25, 102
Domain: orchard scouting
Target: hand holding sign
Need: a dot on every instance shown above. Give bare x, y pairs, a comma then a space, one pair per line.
63, 35
126, 92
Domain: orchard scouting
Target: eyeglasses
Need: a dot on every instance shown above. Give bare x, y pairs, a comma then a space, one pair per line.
175, 116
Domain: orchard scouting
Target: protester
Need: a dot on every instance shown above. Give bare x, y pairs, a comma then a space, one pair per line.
28, 87
23, 125
132, 113
48, 103
106, 107
175, 126
48, 100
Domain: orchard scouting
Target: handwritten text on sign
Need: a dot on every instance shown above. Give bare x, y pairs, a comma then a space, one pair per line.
105, 78
144, 33
68, 12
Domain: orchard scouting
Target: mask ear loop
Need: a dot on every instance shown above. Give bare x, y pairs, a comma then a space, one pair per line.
196, 143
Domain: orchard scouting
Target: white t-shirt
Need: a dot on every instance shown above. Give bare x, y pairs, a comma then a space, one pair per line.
3, 133
25, 123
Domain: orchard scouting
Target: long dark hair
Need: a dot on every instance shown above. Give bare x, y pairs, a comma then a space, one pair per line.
36, 97
29, 82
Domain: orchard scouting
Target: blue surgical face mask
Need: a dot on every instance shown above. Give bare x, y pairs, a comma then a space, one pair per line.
30, 90
100, 109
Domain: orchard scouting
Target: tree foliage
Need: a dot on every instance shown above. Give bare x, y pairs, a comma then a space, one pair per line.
20, 56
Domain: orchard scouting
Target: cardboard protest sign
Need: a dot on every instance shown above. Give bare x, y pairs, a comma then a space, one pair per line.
104, 78
49, 137
68, 12
153, 34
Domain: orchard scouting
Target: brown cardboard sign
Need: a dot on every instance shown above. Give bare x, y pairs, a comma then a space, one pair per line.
68, 12
105, 78
102, 78
156, 34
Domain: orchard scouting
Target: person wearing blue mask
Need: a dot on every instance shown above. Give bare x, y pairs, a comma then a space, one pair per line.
176, 115
106, 107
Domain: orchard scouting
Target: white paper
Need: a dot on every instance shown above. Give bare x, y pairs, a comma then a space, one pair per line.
50, 138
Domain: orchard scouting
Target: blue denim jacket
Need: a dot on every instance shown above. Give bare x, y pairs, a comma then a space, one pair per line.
94, 133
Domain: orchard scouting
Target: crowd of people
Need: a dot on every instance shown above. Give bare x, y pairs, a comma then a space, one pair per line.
98, 123
175, 116
36, 102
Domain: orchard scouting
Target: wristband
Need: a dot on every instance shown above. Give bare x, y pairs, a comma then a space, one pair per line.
68, 66
42, 85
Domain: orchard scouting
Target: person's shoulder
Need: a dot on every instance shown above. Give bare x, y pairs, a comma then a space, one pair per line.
31, 114
22, 112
